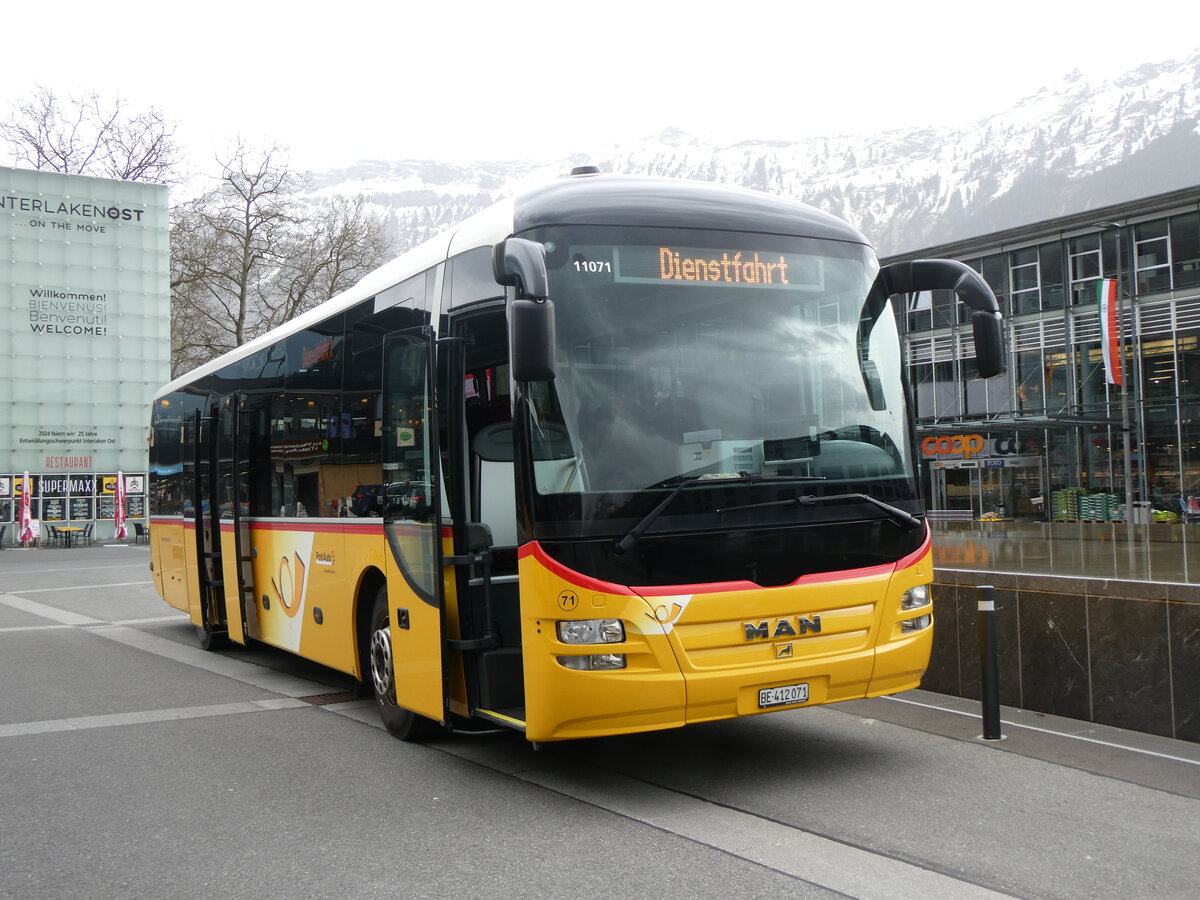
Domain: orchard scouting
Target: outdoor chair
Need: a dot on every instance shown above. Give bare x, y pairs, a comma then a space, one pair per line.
2, 530
87, 533
55, 537
140, 533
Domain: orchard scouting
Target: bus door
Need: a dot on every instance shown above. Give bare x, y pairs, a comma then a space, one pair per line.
233, 482
412, 523
205, 503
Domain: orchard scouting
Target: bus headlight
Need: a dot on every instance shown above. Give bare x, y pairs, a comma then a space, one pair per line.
920, 623
596, 663
591, 631
915, 597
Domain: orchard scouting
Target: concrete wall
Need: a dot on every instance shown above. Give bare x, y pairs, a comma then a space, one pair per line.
1120, 653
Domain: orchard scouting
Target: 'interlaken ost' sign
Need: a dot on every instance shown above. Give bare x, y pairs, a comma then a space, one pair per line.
86, 303
54, 311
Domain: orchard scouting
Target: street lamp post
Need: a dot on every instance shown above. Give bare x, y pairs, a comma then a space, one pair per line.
1125, 419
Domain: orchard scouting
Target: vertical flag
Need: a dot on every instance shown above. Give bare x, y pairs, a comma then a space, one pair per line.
26, 530
119, 508
1110, 330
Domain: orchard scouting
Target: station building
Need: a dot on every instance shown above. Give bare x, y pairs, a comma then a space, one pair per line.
1025, 473
1047, 440
84, 343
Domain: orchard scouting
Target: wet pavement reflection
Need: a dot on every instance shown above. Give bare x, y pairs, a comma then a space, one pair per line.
1157, 553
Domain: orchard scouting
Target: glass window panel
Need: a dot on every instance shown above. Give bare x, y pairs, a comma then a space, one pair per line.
1084, 266
1108, 252
976, 388
1030, 391
993, 273
1084, 259
922, 380
1152, 257
471, 277
1162, 455
1058, 381
946, 394
1158, 368
920, 311
943, 308
1185, 250
1188, 366
1093, 396
1189, 448
1025, 277
1051, 262
1146, 230
1152, 281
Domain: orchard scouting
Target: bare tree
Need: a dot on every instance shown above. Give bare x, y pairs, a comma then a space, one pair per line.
249, 255
225, 247
339, 241
88, 136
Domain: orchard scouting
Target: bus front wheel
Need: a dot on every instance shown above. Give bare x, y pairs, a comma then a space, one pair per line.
401, 722
209, 639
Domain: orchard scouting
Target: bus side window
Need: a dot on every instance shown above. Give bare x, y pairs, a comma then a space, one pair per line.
489, 425
487, 399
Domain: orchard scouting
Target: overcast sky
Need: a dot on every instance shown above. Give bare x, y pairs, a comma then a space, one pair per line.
501, 79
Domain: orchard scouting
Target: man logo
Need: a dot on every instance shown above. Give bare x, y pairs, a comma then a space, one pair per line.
783, 628
783, 651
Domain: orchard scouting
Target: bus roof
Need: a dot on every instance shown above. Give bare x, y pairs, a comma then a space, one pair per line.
667, 202
586, 199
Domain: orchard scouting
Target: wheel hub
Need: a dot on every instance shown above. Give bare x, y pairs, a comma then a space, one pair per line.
381, 665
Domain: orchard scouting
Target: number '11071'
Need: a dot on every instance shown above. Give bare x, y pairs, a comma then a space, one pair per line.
593, 265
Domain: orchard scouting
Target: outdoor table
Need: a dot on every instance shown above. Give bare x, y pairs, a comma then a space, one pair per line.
68, 532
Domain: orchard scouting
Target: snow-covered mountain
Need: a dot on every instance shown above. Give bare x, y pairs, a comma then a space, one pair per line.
1069, 148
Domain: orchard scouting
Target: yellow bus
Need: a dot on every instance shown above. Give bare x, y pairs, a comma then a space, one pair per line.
616, 454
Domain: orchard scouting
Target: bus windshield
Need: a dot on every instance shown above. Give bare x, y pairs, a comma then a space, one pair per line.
690, 354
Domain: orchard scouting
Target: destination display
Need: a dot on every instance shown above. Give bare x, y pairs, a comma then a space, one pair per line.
690, 266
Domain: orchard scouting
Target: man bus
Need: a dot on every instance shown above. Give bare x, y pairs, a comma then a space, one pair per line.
641, 454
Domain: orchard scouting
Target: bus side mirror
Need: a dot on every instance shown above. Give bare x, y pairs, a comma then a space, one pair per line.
950, 274
521, 264
989, 343
874, 385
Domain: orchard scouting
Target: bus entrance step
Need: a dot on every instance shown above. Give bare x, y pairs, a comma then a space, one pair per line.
510, 718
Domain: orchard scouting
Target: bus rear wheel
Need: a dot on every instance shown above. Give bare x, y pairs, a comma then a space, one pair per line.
401, 722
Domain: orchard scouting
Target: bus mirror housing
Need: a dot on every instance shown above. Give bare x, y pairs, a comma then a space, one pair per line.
521, 265
874, 385
950, 274
531, 340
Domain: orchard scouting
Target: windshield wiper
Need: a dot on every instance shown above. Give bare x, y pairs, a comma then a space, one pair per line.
899, 516
635, 533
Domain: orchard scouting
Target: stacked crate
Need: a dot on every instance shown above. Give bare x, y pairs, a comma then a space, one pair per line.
1077, 505
1101, 508
1064, 504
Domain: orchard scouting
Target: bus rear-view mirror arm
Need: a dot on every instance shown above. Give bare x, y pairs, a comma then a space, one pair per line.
951, 275
521, 265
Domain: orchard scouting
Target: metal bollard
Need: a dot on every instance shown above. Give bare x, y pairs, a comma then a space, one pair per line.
989, 668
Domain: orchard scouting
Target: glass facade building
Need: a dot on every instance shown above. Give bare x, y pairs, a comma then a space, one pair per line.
1046, 441
84, 342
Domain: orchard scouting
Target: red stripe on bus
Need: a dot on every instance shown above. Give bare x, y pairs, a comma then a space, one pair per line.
263, 525
267, 525
535, 550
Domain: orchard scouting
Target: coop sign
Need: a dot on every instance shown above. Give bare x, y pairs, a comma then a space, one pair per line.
966, 446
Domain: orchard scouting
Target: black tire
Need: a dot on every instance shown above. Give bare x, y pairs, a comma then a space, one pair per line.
401, 722
211, 640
